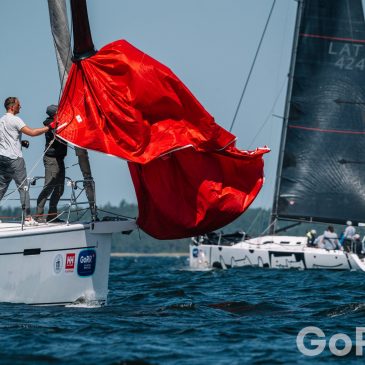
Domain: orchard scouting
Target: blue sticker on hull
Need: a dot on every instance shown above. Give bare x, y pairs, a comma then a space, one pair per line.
86, 262
195, 252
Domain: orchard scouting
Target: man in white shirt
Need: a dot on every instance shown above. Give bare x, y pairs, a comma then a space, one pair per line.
12, 165
329, 240
349, 230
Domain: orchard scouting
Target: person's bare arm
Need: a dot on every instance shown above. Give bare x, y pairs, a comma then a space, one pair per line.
33, 132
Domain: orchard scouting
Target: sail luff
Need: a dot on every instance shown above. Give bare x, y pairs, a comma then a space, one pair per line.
274, 211
321, 175
62, 42
61, 37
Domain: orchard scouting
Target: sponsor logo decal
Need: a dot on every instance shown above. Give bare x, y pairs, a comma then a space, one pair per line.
195, 252
58, 263
86, 262
70, 262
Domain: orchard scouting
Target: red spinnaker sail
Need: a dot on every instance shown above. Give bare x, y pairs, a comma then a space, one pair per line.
189, 193
189, 177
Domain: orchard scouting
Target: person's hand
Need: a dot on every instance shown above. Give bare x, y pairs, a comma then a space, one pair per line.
48, 121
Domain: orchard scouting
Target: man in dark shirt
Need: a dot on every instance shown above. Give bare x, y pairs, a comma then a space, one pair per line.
55, 152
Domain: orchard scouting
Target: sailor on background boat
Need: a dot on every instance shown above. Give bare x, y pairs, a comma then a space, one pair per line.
311, 235
349, 230
54, 183
12, 164
348, 234
354, 245
329, 240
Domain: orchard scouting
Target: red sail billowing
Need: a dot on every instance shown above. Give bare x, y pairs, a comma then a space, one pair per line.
190, 193
189, 177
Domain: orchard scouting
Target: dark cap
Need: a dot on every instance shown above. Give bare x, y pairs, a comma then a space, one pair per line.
52, 110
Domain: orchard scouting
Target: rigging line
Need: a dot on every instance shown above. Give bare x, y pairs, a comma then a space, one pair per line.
267, 228
252, 66
26, 179
257, 216
270, 114
116, 214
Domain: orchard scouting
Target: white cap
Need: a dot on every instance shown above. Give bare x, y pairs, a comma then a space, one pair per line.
356, 236
349, 223
313, 231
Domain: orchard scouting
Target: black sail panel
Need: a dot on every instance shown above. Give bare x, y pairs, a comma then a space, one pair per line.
323, 170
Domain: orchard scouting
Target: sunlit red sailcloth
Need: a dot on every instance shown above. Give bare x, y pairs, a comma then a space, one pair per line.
124, 103
189, 193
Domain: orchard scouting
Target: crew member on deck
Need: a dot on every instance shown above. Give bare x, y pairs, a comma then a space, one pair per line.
55, 153
349, 230
311, 235
12, 165
330, 240
357, 245
348, 234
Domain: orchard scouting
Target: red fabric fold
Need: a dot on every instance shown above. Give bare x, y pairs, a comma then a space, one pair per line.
189, 177
189, 193
137, 105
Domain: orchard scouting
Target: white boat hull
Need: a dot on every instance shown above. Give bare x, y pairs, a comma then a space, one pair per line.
279, 252
56, 264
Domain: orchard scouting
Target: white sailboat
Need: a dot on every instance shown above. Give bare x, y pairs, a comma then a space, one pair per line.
58, 263
320, 169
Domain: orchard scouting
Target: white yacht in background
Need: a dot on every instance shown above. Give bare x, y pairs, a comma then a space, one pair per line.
321, 173
277, 252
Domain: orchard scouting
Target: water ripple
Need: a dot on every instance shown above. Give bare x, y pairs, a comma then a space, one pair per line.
160, 312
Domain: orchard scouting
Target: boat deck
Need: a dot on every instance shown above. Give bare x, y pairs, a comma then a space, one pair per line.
11, 229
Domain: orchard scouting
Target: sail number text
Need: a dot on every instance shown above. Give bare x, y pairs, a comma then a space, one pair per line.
349, 55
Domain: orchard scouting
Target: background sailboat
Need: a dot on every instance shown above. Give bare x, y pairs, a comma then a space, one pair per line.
320, 174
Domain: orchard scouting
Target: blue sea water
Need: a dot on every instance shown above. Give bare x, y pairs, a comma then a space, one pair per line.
160, 312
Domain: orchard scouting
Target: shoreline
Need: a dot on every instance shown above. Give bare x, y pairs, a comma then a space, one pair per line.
156, 254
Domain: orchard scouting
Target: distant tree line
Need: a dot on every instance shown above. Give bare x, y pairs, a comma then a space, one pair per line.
254, 222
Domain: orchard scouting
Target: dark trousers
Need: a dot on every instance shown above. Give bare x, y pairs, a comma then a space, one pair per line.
54, 184
15, 169
89, 185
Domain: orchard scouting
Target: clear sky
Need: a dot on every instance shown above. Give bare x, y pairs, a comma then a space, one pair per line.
209, 44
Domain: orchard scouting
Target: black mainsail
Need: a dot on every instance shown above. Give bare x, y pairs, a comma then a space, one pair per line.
321, 172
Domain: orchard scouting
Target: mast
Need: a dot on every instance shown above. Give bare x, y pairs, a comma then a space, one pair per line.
61, 37
286, 115
83, 48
